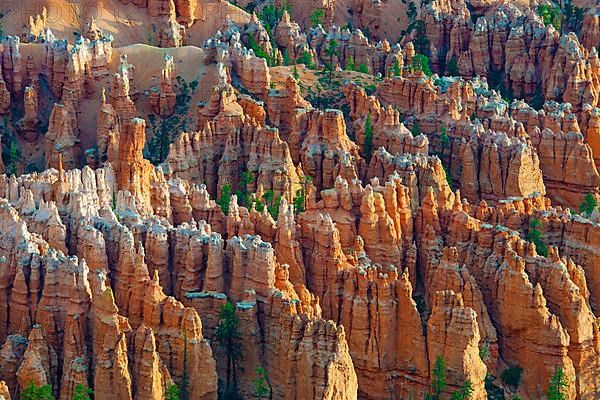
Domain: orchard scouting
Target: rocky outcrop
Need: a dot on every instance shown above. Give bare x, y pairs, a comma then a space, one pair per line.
566, 158
62, 138
163, 97
4, 96
590, 31
149, 378
386, 129
452, 334
357, 50
320, 142
385, 362
110, 347
133, 172
231, 143
496, 166
4, 393
169, 33
40, 362
28, 126
122, 83
108, 132
283, 106
542, 63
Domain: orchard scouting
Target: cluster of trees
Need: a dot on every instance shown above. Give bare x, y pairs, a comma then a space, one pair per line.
306, 58
351, 66
567, 18
166, 129
44, 392
511, 377
420, 62
260, 52
268, 199
11, 154
271, 15
551, 15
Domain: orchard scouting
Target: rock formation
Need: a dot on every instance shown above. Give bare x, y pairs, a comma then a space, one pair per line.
366, 220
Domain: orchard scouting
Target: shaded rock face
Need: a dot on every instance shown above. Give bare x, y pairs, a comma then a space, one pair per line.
420, 218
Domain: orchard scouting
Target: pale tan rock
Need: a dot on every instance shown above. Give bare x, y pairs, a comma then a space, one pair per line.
62, 138
451, 319
40, 362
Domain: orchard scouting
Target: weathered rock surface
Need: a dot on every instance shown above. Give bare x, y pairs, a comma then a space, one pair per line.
417, 216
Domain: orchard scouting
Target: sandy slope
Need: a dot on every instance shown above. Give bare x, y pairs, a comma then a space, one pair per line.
128, 23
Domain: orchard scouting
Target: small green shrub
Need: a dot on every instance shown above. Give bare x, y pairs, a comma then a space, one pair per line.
512, 376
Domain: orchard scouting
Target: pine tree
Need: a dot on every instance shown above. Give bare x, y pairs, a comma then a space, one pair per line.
317, 17
229, 338
172, 393
511, 376
438, 377
185, 376
286, 57
350, 64
444, 138
535, 236
415, 129
306, 58
368, 138
331, 51
274, 208
396, 70
588, 205
420, 62
225, 199
464, 393
242, 193
300, 198
452, 67
558, 385
261, 385
82, 392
